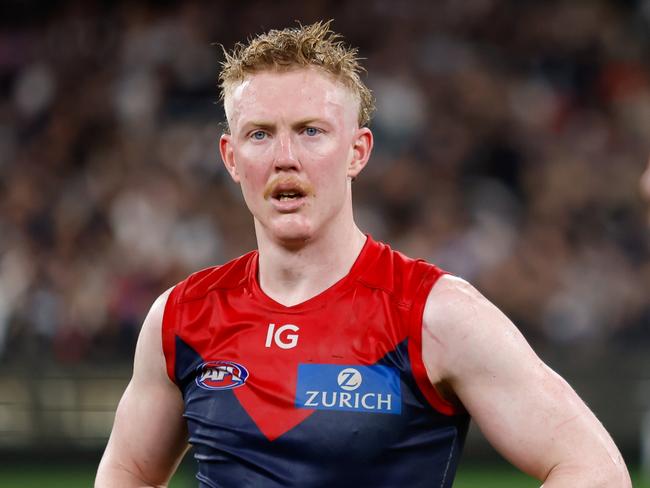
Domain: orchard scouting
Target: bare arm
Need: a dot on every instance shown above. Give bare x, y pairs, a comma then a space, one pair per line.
526, 411
149, 435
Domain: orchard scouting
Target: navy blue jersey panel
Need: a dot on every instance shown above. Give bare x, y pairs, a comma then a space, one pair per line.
420, 447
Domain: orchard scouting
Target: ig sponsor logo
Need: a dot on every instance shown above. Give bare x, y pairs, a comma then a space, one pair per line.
281, 337
221, 375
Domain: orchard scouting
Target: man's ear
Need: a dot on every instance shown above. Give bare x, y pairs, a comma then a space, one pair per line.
228, 156
361, 149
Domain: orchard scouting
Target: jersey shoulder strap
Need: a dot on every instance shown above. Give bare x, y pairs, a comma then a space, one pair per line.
195, 288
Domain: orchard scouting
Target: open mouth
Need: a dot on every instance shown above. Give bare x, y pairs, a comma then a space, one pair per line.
287, 195
287, 189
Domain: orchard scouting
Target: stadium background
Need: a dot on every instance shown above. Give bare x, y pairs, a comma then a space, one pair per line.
510, 139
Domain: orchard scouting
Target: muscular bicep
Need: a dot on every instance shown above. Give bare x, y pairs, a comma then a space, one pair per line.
526, 411
148, 436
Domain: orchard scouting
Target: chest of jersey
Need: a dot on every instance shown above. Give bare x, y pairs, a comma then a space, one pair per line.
321, 394
282, 367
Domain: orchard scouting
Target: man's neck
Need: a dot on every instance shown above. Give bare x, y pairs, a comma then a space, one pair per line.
292, 276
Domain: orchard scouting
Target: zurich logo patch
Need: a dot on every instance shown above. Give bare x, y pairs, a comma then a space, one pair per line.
220, 375
375, 389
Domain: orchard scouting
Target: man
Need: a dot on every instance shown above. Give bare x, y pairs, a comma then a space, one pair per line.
325, 358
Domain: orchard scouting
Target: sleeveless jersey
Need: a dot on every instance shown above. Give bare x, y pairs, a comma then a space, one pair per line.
331, 392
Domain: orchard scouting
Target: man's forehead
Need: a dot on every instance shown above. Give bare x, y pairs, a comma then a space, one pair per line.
306, 74
270, 89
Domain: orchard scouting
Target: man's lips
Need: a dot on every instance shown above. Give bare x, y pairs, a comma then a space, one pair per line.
288, 205
287, 193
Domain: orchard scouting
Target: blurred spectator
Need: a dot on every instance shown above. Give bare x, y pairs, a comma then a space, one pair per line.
510, 136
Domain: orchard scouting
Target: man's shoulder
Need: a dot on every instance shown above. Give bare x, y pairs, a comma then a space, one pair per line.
228, 275
398, 273
457, 314
454, 298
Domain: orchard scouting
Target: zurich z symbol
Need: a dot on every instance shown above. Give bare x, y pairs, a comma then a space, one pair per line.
349, 379
220, 375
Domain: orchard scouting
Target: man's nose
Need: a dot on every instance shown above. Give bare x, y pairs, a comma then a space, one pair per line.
285, 154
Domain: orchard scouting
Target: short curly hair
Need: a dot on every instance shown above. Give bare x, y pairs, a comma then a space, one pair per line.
303, 46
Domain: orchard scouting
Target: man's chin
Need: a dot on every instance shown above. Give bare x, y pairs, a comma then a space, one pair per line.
291, 234
293, 240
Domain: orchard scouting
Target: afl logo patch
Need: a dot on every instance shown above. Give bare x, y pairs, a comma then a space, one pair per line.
220, 375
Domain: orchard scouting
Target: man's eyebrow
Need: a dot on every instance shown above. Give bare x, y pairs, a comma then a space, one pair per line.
307, 121
310, 121
257, 124
262, 124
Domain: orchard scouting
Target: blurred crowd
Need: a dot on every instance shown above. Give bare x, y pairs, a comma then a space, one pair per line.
510, 136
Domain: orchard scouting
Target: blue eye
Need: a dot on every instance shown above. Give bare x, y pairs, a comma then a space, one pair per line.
258, 135
311, 131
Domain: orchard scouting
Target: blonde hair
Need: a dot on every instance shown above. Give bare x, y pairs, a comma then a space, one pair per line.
303, 46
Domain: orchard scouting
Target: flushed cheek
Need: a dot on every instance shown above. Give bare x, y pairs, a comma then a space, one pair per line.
332, 171
253, 170
329, 189
331, 150
252, 176
252, 186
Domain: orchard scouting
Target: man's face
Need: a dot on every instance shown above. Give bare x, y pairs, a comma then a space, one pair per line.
294, 147
645, 186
